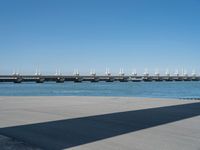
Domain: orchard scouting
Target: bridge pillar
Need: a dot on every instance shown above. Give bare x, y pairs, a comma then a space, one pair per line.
95, 79
17, 80
60, 80
78, 79
110, 79
40, 80
147, 79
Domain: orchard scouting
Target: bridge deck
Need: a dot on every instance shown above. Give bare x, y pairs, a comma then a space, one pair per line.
63, 78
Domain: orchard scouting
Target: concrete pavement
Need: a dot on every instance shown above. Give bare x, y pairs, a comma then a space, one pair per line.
102, 122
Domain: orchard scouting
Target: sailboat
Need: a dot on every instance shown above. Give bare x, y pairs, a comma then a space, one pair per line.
157, 73
59, 79
194, 73
108, 72
77, 79
134, 78
134, 73
185, 76
17, 78
58, 72
76, 72
15, 73
177, 78
122, 77
176, 73
38, 73
185, 73
194, 77
157, 76
92, 72
146, 77
167, 73
146, 74
121, 72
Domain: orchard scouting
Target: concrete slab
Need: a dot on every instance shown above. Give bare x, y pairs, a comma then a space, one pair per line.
102, 122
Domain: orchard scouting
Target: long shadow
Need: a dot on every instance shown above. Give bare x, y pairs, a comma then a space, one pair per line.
67, 133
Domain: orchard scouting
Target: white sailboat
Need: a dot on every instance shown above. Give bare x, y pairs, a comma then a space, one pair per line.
108, 72
185, 73
146, 73
76, 72
157, 72
15, 73
194, 73
176, 73
167, 73
92, 72
134, 73
38, 73
58, 72
121, 72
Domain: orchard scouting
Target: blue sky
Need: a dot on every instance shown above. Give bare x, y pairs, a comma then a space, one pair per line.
84, 34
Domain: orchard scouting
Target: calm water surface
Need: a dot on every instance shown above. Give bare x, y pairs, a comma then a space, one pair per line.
128, 89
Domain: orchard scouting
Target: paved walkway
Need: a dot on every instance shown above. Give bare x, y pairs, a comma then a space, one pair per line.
101, 122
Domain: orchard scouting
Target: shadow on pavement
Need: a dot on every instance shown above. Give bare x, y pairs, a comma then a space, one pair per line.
68, 133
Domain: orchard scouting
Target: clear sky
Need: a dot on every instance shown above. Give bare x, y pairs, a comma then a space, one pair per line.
84, 34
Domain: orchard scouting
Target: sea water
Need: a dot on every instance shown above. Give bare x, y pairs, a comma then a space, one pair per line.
128, 89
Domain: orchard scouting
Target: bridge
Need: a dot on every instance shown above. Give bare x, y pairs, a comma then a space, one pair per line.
93, 78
